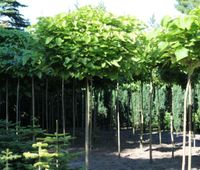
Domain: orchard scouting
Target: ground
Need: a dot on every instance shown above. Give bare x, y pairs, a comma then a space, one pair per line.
104, 156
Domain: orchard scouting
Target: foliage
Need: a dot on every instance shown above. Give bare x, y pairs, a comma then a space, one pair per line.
197, 121
87, 42
58, 143
167, 120
180, 41
177, 106
17, 143
42, 156
10, 15
18, 53
185, 6
7, 156
102, 110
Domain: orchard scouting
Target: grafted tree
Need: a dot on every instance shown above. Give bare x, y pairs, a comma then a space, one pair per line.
89, 42
180, 43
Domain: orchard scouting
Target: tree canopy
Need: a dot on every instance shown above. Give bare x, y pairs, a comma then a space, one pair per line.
185, 6
18, 53
89, 42
10, 15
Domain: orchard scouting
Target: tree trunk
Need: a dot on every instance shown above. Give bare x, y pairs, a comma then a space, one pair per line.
57, 144
7, 114
33, 102
172, 133
184, 122
150, 121
46, 105
90, 111
74, 109
17, 106
95, 118
118, 120
63, 104
141, 116
82, 107
190, 123
87, 117
158, 115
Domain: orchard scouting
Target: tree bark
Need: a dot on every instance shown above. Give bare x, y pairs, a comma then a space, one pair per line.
184, 123
118, 120
150, 121
87, 117
190, 123
91, 116
141, 116
172, 133
63, 105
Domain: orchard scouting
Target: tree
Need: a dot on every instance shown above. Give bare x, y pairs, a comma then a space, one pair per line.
180, 44
10, 15
89, 42
18, 58
185, 6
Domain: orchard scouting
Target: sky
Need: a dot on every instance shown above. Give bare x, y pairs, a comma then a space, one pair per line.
142, 9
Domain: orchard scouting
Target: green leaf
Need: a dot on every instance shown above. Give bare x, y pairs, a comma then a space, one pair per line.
48, 40
162, 45
115, 63
59, 41
186, 22
165, 21
25, 59
181, 53
67, 60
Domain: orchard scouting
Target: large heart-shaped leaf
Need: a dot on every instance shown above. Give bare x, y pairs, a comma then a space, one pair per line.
181, 53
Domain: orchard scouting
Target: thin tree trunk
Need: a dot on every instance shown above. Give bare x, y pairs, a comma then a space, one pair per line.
91, 115
7, 114
158, 114
194, 126
46, 105
74, 110
141, 116
128, 109
172, 133
87, 117
118, 121
190, 123
150, 121
95, 118
82, 104
184, 123
57, 144
33, 102
63, 104
17, 106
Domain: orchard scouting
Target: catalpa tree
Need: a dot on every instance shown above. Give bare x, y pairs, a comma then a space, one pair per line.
180, 42
89, 42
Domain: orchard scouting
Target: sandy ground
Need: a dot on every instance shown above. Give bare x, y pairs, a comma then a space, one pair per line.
104, 154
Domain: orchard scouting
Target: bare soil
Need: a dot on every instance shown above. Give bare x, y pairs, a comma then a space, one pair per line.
104, 156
